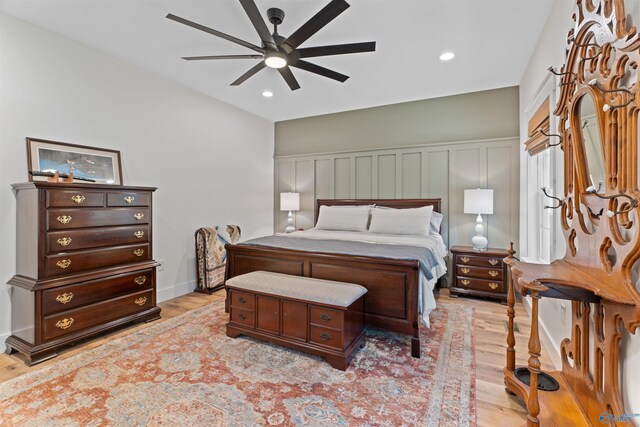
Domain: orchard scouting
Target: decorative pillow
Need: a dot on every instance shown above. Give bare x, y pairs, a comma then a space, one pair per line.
401, 221
343, 218
436, 221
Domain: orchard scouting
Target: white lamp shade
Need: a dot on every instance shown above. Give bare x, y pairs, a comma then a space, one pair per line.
479, 201
289, 201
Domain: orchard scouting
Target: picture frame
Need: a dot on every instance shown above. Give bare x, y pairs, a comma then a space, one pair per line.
100, 164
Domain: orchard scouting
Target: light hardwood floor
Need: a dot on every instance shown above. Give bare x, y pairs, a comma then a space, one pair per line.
494, 406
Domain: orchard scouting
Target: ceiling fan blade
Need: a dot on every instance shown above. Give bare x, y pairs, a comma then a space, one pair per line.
319, 20
313, 68
205, 58
288, 76
258, 23
337, 49
249, 73
214, 32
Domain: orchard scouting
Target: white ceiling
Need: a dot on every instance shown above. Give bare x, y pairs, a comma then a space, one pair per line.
492, 39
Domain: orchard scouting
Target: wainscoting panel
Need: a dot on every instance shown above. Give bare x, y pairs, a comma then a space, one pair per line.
434, 170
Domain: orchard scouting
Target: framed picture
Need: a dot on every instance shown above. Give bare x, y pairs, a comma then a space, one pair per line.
100, 164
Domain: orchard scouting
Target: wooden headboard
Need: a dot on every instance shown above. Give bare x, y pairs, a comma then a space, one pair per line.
389, 203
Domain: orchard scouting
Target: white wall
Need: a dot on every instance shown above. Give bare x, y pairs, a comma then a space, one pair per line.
550, 51
212, 163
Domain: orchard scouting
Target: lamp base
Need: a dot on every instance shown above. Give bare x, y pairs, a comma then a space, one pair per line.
290, 227
478, 241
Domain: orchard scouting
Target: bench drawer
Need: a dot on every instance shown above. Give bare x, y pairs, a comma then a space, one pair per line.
244, 300
243, 317
325, 336
325, 317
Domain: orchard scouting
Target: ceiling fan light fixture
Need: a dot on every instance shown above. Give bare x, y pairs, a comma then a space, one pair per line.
275, 60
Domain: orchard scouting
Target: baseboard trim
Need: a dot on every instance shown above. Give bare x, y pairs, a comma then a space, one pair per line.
547, 343
167, 293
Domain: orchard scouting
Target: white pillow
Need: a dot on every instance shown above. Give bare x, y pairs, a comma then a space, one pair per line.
343, 218
401, 221
436, 221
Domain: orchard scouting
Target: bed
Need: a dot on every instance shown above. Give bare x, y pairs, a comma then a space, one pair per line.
399, 286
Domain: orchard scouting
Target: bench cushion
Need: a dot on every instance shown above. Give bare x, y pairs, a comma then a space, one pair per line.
338, 294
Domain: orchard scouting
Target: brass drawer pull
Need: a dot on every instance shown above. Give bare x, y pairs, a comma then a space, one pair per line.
275, 314
78, 198
242, 316
140, 280
139, 234
129, 199
64, 241
325, 336
64, 298
138, 216
63, 263
493, 273
141, 301
465, 270
325, 317
464, 259
465, 282
64, 219
242, 300
138, 252
64, 323
493, 285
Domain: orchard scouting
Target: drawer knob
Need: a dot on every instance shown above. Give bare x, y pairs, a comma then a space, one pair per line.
64, 298
138, 215
242, 316
138, 252
64, 241
140, 280
141, 301
129, 199
493, 273
78, 198
464, 259
325, 336
493, 261
275, 314
139, 234
465, 282
325, 317
242, 300
64, 219
465, 270
63, 263
64, 323
493, 285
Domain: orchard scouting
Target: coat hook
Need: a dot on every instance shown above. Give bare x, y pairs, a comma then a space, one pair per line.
550, 135
598, 49
596, 192
559, 200
607, 107
570, 73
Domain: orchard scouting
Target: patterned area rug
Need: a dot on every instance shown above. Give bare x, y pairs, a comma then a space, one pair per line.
186, 372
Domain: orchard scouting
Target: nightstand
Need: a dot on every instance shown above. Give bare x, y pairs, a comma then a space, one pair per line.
477, 273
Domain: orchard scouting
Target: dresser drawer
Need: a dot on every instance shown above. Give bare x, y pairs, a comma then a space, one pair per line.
69, 240
128, 199
73, 262
480, 261
63, 219
74, 198
324, 336
480, 284
480, 272
242, 317
325, 317
71, 321
72, 296
244, 300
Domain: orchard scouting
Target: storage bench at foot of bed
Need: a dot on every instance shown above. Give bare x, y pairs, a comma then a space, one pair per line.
320, 317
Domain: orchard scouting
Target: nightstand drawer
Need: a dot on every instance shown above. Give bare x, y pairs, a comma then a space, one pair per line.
479, 261
480, 284
479, 272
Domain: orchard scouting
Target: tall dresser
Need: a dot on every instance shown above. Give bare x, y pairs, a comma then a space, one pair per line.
84, 264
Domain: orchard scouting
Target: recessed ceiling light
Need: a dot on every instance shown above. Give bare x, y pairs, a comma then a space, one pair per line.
447, 56
267, 94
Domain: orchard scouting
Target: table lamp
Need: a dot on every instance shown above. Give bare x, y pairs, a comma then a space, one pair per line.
478, 202
290, 202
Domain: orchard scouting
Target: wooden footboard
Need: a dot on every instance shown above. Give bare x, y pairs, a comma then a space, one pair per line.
391, 302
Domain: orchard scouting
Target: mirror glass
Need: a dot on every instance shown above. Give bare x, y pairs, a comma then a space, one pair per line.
591, 140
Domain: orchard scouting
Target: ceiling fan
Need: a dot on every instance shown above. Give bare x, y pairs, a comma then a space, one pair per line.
281, 52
